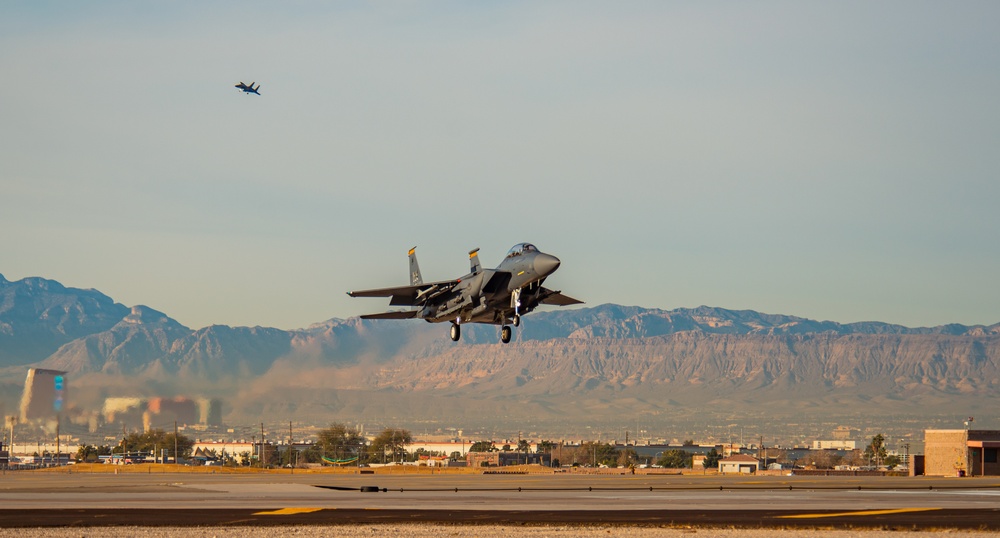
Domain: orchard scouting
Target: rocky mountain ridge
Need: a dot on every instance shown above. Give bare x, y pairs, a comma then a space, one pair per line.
595, 361
39, 315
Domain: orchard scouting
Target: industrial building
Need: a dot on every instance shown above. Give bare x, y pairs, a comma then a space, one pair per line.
961, 452
503, 459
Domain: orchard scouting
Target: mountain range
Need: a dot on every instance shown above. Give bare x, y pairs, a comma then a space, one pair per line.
582, 366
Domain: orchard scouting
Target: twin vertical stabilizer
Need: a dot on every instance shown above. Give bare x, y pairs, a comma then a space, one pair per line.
474, 266
415, 278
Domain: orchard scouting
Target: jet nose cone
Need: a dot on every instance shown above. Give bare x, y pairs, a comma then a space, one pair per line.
545, 264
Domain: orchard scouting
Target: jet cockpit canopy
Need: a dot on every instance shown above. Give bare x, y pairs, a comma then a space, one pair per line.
521, 248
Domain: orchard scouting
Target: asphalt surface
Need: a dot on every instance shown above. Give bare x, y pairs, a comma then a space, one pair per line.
30, 499
228, 517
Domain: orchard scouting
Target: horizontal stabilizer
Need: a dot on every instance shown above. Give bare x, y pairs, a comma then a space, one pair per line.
558, 299
409, 314
409, 295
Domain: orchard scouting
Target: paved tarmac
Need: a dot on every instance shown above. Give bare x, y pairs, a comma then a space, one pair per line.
35, 499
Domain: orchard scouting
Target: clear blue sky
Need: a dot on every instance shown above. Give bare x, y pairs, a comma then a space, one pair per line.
833, 160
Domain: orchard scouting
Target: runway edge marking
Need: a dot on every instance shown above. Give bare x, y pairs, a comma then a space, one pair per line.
859, 513
288, 511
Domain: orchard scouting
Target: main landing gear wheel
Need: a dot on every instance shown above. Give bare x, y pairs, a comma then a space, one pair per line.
456, 332
517, 320
505, 333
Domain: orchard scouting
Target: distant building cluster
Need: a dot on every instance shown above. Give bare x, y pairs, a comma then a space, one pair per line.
836, 444
150, 413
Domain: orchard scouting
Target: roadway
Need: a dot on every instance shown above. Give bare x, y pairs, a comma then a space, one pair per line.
33, 499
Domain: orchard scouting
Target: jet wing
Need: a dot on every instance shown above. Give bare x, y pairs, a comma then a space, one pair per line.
409, 295
558, 299
409, 314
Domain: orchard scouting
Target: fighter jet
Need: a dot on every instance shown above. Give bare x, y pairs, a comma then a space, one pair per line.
248, 89
496, 296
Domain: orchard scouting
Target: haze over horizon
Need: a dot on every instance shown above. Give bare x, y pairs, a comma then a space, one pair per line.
833, 162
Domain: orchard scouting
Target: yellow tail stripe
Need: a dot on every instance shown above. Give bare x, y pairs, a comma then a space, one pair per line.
861, 513
288, 511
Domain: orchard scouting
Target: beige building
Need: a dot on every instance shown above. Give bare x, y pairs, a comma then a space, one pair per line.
961, 452
739, 463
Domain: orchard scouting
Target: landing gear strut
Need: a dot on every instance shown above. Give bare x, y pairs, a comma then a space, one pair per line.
505, 333
515, 302
456, 332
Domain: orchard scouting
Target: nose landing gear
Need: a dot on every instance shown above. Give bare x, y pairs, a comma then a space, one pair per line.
456, 332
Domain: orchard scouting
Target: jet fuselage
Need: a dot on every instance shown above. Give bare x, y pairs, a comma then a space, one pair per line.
497, 296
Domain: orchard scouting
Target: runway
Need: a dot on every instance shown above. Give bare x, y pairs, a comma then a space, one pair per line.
34, 499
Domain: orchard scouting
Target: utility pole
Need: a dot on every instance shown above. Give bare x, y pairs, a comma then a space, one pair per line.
290, 448
263, 455
176, 459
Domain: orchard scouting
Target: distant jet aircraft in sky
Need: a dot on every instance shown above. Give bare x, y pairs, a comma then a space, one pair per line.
248, 89
494, 296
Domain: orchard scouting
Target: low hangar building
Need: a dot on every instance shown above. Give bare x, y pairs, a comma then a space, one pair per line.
961, 452
739, 463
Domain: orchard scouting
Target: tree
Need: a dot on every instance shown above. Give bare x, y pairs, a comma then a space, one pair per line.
339, 442
627, 457
875, 452
483, 446
157, 439
674, 459
855, 457
711, 460
893, 461
270, 455
779, 455
523, 446
90, 453
391, 441
313, 454
824, 459
593, 453
545, 447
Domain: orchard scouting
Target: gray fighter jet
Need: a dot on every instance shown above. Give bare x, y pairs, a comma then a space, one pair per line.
495, 296
248, 89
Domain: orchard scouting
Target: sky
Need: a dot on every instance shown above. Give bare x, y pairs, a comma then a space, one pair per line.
831, 160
